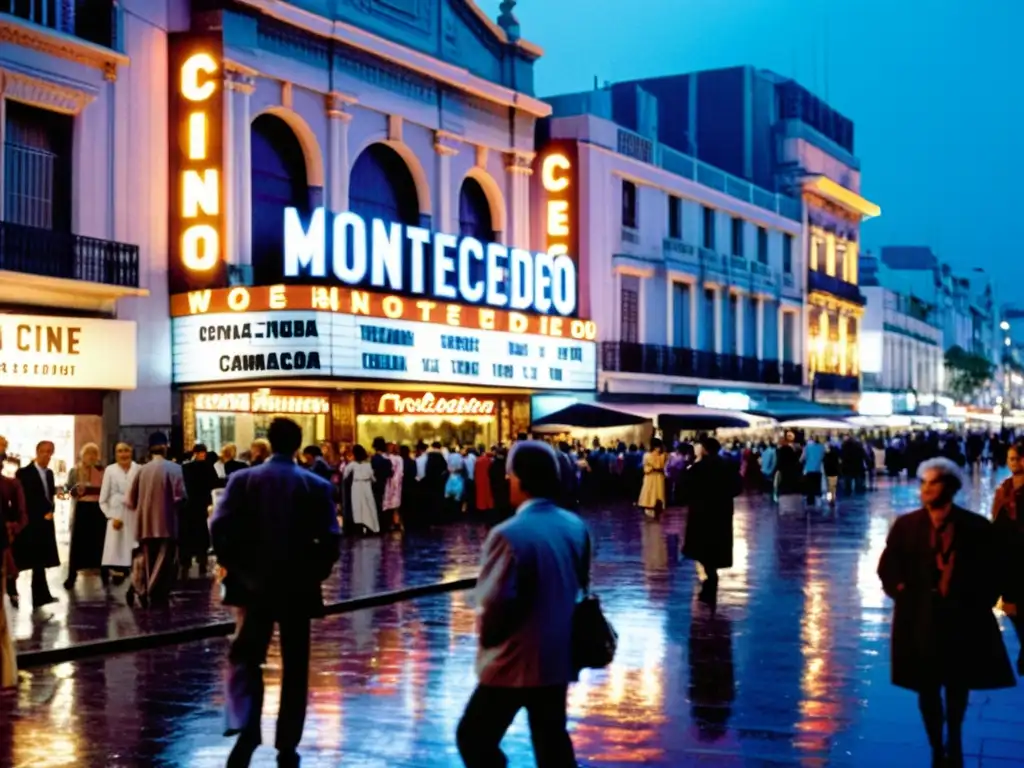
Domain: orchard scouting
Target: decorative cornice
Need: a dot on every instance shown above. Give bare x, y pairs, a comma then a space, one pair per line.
61, 45
43, 93
446, 144
239, 78
520, 163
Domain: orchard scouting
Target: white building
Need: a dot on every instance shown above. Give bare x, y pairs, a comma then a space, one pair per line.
83, 237
901, 344
695, 275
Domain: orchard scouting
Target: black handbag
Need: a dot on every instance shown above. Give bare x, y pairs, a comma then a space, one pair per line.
594, 639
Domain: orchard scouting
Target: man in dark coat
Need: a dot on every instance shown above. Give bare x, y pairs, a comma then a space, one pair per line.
383, 469
194, 535
435, 476
275, 532
35, 547
941, 567
709, 489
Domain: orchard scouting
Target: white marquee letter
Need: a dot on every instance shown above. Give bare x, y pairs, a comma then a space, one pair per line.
304, 250
543, 286
419, 238
563, 285
470, 247
443, 264
521, 295
386, 259
356, 272
497, 261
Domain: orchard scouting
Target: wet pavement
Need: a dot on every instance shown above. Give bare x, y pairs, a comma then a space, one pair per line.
368, 566
792, 670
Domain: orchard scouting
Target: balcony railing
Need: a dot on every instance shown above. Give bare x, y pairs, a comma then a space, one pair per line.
92, 20
630, 235
659, 360
835, 382
820, 281
47, 253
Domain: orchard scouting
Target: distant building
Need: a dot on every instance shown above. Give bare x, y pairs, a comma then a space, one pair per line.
773, 133
695, 273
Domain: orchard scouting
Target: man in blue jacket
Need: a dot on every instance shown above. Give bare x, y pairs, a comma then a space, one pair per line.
276, 535
535, 566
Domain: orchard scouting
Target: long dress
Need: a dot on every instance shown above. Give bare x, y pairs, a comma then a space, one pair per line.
482, 476
362, 504
88, 523
118, 544
393, 490
652, 493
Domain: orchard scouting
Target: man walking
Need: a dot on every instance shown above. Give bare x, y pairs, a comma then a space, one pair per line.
534, 568
813, 461
276, 535
156, 498
36, 545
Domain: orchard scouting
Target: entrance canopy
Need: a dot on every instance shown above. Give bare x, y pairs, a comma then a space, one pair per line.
587, 416
674, 416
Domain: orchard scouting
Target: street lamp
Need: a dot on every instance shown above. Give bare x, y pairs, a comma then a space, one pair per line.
1004, 326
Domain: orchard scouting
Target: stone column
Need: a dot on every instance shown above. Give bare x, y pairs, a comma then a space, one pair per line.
517, 228
239, 85
759, 324
694, 337
780, 336
339, 170
446, 147
738, 320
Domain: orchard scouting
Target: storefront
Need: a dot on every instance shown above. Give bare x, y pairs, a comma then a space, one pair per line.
355, 416
58, 382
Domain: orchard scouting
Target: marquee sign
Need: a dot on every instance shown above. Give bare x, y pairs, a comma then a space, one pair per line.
256, 346
412, 260
429, 404
556, 180
260, 401
196, 160
333, 299
66, 352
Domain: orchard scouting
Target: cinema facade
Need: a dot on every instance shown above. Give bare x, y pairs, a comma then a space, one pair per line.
358, 236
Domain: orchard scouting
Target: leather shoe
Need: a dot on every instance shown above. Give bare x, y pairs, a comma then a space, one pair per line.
241, 753
288, 760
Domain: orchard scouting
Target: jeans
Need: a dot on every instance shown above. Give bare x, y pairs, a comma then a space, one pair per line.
490, 712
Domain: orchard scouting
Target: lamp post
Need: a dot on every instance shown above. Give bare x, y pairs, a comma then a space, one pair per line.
1004, 326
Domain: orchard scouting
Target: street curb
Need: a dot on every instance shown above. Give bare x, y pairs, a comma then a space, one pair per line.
133, 643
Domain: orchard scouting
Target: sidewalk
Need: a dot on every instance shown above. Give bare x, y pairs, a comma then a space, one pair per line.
370, 566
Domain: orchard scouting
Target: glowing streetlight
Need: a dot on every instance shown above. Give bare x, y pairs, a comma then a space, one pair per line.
1004, 325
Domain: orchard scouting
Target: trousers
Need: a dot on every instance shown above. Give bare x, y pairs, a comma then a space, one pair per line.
490, 712
244, 687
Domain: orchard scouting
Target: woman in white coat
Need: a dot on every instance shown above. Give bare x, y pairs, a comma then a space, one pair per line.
120, 538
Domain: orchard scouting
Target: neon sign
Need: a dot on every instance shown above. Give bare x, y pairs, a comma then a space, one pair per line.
260, 401
197, 194
556, 171
430, 405
403, 258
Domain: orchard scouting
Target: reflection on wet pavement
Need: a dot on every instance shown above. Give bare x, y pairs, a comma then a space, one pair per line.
791, 669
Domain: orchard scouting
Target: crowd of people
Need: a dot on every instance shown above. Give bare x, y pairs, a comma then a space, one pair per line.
277, 522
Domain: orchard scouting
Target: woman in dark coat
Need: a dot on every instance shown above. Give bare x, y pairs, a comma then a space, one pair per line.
1008, 521
941, 568
708, 488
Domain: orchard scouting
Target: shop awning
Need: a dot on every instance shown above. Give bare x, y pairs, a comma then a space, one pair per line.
681, 416
819, 425
588, 416
795, 408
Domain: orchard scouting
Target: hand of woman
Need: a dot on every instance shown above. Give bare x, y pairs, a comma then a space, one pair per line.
118, 525
48, 516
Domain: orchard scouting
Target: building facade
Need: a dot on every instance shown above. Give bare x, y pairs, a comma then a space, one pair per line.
352, 245
901, 348
694, 273
83, 244
772, 132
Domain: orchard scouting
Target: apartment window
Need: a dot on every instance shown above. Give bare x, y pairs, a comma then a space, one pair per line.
629, 204
675, 217
737, 237
709, 228
707, 326
37, 167
629, 309
787, 253
733, 331
841, 261
818, 253
762, 245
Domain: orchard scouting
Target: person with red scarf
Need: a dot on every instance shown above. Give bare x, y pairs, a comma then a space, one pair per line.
1008, 521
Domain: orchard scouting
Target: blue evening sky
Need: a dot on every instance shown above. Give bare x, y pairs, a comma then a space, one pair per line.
934, 87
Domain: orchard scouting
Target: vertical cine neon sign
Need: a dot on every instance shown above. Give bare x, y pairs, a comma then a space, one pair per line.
557, 188
196, 162
200, 186
555, 178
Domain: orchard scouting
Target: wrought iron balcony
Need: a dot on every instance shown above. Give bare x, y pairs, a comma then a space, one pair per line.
44, 252
820, 281
659, 360
835, 382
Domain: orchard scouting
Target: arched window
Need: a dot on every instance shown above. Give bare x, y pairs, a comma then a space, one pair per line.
381, 187
278, 181
475, 212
